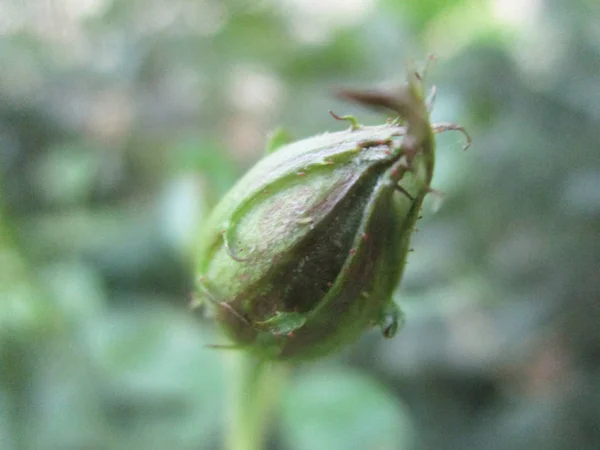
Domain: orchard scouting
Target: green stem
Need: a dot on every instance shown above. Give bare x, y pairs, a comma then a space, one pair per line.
254, 389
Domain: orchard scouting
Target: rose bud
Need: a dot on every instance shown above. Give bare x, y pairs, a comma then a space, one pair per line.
305, 251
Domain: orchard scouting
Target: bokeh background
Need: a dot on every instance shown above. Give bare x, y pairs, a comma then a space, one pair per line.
123, 121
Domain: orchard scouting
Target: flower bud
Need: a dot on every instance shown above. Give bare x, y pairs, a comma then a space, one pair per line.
304, 253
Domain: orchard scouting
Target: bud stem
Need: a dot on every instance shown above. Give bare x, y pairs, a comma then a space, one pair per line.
255, 386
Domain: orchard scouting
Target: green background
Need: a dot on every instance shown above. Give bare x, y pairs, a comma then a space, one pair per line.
122, 123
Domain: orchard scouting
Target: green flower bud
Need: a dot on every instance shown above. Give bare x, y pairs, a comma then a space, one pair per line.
304, 253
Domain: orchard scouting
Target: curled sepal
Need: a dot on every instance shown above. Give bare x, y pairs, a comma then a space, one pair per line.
283, 322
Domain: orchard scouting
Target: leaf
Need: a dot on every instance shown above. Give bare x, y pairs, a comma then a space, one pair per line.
277, 139
334, 409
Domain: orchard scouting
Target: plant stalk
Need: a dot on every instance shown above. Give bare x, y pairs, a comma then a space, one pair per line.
254, 388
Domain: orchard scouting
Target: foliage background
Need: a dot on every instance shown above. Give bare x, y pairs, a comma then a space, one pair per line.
123, 121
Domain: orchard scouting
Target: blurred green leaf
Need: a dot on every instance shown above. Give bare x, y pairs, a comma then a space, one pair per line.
422, 12
277, 138
209, 160
335, 408
163, 386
